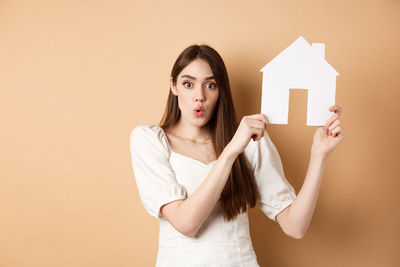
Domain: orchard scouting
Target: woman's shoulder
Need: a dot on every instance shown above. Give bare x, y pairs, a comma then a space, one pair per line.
146, 128
148, 134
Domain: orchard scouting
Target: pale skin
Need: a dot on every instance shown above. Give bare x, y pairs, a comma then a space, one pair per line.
195, 86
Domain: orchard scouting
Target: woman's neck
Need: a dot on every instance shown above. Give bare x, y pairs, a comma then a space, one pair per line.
191, 132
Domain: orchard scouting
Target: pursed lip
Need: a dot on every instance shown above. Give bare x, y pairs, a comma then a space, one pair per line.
199, 108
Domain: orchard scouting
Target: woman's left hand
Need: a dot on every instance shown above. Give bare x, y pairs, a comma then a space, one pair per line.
328, 137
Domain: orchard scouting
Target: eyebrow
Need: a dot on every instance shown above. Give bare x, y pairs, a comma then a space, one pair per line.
194, 78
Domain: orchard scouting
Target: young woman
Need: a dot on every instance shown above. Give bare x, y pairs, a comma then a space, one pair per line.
198, 172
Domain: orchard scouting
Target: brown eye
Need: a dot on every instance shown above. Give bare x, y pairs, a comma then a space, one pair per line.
187, 84
211, 85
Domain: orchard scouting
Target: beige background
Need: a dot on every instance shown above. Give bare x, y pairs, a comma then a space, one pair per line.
77, 76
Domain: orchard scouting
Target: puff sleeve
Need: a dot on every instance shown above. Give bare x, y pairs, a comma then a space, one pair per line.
154, 176
276, 193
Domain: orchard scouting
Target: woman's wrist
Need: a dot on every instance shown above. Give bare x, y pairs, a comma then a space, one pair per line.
228, 153
317, 152
319, 157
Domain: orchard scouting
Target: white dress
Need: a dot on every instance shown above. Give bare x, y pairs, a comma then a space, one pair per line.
163, 176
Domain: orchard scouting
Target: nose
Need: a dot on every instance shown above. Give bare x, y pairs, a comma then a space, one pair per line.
199, 95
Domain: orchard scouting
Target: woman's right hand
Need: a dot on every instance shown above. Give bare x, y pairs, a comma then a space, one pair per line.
252, 126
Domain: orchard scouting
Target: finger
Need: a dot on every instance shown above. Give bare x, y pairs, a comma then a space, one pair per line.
331, 119
337, 131
333, 126
259, 134
255, 137
336, 109
256, 129
260, 117
251, 124
256, 123
265, 119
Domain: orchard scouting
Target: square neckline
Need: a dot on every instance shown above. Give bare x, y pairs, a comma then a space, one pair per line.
181, 155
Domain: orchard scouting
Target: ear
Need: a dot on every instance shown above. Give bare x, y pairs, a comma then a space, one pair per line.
173, 87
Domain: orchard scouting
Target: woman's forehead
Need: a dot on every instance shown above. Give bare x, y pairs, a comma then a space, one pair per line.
197, 69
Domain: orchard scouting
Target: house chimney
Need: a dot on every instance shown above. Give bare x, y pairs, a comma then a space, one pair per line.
319, 49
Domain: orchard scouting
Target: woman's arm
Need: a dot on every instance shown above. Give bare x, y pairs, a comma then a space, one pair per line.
295, 219
188, 215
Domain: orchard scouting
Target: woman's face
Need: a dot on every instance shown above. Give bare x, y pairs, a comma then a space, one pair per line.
197, 92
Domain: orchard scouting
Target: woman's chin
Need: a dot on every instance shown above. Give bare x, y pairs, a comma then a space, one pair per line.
200, 122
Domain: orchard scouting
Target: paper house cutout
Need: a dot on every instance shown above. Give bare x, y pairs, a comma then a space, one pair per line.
299, 66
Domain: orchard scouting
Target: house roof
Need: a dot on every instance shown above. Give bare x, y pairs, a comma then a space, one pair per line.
301, 51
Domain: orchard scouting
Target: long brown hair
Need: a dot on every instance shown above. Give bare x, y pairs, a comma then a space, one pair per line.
240, 188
